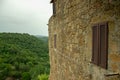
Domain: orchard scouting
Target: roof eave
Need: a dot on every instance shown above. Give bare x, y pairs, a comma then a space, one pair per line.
51, 1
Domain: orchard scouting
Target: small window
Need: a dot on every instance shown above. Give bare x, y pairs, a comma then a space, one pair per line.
55, 36
100, 45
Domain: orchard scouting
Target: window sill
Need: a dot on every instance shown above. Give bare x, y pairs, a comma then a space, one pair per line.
97, 65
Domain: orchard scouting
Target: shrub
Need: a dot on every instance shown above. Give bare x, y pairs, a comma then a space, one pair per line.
43, 77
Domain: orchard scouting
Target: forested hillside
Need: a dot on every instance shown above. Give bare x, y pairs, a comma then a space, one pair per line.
23, 57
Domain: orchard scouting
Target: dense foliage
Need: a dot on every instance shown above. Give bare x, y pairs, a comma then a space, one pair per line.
22, 56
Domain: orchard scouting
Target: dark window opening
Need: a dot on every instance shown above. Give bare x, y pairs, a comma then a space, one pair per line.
100, 45
55, 36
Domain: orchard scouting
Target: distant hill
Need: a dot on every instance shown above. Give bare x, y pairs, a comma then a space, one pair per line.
23, 56
44, 38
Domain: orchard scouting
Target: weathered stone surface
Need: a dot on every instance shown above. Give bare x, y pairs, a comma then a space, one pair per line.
71, 59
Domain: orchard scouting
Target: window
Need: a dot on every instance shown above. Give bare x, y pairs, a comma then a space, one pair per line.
55, 36
100, 45
54, 7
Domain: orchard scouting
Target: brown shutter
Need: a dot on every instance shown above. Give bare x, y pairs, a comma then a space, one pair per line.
95, 48
103, 45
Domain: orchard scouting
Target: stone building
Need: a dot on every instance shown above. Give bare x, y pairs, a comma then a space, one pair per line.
84, 40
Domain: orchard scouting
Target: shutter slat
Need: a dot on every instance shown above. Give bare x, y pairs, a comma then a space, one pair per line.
103, 45
95, 48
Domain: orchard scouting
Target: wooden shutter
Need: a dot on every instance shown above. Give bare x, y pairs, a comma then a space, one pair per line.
95, 48
103, 45
100, 45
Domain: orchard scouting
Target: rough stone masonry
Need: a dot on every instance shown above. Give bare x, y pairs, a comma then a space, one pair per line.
70, 39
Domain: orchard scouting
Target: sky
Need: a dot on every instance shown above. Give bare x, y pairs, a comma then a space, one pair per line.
25, 16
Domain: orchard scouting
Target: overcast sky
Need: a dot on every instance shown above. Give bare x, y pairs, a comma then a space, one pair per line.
25, 16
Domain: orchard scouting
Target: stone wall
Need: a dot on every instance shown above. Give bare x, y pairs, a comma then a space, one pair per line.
72, 23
